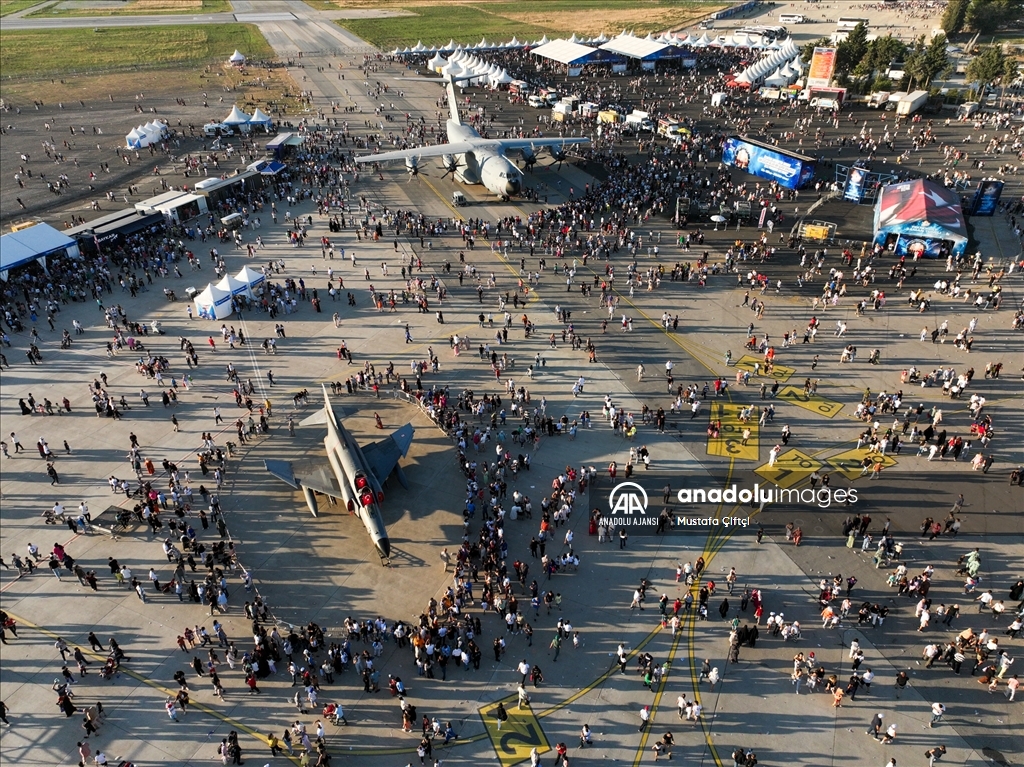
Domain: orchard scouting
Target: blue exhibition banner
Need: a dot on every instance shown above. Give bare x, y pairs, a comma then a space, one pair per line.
787, 169
920, 247
986, 199
855, 183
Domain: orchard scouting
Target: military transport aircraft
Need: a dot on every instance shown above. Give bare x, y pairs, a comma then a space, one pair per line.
472, 159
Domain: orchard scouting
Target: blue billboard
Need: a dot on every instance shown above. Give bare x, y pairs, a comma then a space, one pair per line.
921, 247
986, 199
856, 182
788, 169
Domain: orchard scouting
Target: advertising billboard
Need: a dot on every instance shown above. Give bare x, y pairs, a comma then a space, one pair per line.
921, 247
856, 182
788, 169
823, 64
987, 197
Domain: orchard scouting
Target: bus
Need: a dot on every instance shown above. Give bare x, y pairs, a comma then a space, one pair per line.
850, 22
791, 18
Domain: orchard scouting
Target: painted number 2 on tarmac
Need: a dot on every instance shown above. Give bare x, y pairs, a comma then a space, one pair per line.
519, 734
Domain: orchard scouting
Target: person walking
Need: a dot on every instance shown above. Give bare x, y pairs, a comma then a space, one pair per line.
937, 712
524, 699
500, 714
556, 645
645, 718
875, 728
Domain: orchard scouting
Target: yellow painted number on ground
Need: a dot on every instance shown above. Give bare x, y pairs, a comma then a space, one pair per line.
519, 734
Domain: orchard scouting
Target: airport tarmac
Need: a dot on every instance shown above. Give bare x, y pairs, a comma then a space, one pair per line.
324, 570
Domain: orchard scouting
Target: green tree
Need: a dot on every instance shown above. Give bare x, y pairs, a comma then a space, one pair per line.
954, 16
987, 65
988, 16
851, 50
882, 51
926, 61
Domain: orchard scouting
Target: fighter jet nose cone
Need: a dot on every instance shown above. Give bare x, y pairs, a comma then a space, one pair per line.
384, 546
512, 187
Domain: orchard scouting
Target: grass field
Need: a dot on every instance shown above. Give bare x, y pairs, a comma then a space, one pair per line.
13, 6
59, 51
137, 8
468, 21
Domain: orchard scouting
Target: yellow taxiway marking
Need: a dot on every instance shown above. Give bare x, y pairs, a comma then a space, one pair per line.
233, 723
779, 372
730, 443
791, 468
514, 738
818, 405
441, 197
851, 463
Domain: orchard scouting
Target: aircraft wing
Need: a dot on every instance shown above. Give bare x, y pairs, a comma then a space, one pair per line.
431, 150
532, 143
461, 147
317, 477
382, 457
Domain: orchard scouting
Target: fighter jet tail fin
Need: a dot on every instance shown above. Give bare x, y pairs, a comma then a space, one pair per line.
382, 457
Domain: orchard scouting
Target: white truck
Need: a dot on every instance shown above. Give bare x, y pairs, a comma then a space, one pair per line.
639, 121
894, 100
217, 129
967, 110
878, 99
911, 103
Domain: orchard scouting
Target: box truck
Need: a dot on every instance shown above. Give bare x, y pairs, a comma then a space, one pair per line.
911, 103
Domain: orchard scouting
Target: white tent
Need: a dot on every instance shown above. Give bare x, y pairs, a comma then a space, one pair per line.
237, 58
155, 130
250, 277
234, 286
213, 303
237, 117
136, 139
437, 62
259, 117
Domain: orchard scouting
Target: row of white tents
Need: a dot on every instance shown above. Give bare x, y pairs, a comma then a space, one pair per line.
736, 40
778, 69
239, 119
152, 132
462, 65
216, 301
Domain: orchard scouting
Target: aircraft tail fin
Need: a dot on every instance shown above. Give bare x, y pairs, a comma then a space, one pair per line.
453, 102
